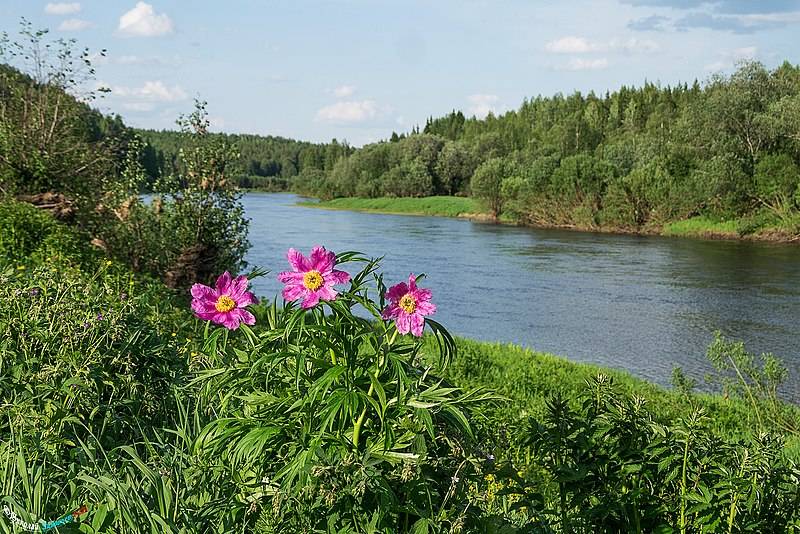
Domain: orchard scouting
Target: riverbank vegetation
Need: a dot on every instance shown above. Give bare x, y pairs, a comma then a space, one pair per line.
130, 404
635, 159
444, 206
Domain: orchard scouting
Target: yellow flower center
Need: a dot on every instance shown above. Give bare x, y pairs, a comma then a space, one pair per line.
225, 304
408, 303
312, 280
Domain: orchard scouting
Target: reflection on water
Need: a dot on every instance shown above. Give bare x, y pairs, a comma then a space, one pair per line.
644, 304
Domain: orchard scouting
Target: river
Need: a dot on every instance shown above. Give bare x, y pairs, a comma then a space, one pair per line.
643, 304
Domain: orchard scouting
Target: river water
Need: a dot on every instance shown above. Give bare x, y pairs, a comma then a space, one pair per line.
643, 304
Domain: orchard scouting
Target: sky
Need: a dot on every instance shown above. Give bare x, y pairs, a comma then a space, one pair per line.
357, 70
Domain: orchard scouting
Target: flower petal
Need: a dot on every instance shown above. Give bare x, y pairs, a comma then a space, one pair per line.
337, 277
203, 306
229, 320
298, 262
412, 282
206, 316
397, 291
290, 276
238, 287
321, 259
326, 292
246, 299
417, 324
294, 291
311, 300
246, 317
202, 291
403, 323
425, 307
223, 283
391, 311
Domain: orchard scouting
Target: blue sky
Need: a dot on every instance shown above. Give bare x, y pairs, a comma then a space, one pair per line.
360, 69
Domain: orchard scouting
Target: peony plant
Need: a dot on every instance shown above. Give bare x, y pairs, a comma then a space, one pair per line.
330, 421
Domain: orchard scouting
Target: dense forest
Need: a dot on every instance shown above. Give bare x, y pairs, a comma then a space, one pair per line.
266, 162
633, 158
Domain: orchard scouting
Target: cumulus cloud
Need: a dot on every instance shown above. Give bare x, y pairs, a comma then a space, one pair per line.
348, 111
153, 91
74, 25
723, 6
143, 21
651, 23
736, 23
344, 91
570, 45
577, 63
481, 105
62, 8
580, 45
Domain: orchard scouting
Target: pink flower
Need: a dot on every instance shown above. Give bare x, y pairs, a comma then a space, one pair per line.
408, 306
225, 304
312, 278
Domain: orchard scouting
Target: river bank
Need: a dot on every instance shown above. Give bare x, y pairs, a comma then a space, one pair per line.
699, 227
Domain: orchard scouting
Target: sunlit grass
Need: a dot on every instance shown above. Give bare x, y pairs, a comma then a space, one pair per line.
444, 206
702, 226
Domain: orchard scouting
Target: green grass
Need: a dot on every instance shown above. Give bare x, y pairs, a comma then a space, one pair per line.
444, 206
702, 226
526, 378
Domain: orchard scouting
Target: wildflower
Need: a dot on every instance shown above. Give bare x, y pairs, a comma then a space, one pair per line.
99, 316
108, 263
312, 278
224, 304
123, 297
408, 306
34, 291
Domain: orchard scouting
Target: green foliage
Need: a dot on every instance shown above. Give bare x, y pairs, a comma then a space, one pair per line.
50, 140
608, 466
487, 183
777, 181
633, 159
334, 420
436, 205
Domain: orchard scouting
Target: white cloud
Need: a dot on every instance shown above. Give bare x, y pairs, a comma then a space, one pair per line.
633, 45
343, 91
74, 25
62, 8
143, 21
482, 105
577, 63
153, 91
570, 45
349, 111
580, 45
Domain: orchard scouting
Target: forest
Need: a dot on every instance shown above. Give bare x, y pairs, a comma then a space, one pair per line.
727, 149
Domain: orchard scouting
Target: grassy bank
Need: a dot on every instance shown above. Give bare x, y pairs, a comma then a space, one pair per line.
526, 378
443, 206
760, 228
176, 452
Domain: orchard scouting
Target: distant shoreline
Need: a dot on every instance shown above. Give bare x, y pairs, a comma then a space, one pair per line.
470, 209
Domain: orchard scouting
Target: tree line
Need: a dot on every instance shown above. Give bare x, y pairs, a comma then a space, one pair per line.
638, 156
265, 162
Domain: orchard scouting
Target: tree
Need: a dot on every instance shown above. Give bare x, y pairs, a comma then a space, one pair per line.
50, 140
777, 181
487, 182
